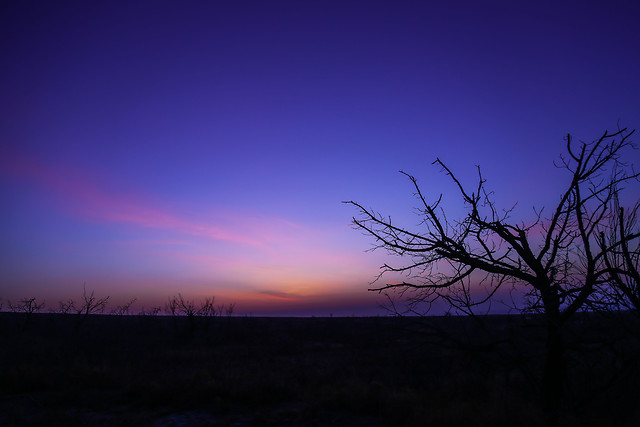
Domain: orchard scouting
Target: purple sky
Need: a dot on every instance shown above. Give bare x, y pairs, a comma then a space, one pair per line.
151, 148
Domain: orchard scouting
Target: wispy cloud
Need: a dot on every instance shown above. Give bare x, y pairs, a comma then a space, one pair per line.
150, 242
279, 295
252, 257
81, 194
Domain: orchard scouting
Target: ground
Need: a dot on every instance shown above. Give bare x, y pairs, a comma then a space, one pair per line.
245, 371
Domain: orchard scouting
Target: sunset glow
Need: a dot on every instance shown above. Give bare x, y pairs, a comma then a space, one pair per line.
205, 149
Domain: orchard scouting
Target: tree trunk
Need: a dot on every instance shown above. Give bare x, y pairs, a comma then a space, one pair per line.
554, 370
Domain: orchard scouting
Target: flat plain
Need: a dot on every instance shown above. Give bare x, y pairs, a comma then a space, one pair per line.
60, 369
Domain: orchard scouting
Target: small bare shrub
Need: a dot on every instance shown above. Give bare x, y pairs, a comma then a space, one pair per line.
65, 307
26, 305
207, 309
124, 309
230, 308
153, 311
90, 304
171, 307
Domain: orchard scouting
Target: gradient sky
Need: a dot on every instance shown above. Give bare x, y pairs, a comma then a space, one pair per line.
155, 147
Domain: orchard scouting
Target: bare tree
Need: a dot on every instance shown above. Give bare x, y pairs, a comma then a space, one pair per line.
186, 307
150, 313
228, 310
171, 307
28, 306
67, 306
124, 309
206, 308
153, 311
622, 259
555, 259
90, 304
180, 306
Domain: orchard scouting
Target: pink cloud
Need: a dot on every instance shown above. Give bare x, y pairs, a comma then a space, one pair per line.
279, 295
263, 259
81, 194
151, 242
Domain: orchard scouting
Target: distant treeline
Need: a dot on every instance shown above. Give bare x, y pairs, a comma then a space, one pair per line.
89, 303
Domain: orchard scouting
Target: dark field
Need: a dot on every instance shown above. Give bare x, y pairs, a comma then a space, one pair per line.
244, 371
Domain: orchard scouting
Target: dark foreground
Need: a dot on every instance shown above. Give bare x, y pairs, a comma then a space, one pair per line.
164, 371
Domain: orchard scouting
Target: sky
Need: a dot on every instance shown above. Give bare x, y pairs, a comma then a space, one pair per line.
150, 148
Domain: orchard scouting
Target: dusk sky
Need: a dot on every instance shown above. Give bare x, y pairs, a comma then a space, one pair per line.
150, 148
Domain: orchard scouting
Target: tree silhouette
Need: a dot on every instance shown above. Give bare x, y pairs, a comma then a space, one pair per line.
28, 306
622, 261
558, 259
89, 304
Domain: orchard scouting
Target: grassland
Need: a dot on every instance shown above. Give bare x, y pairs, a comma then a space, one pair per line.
244, 371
